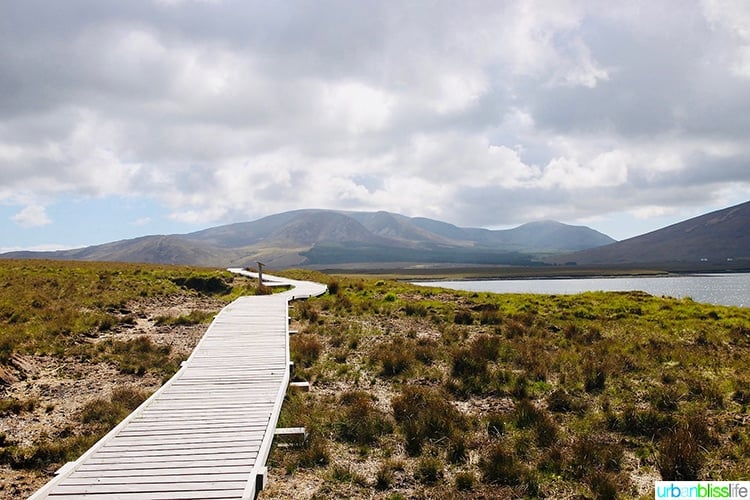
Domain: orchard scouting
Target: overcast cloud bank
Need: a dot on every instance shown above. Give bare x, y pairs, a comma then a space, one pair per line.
479, 113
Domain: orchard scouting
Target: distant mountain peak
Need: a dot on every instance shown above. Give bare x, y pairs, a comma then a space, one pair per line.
312, 237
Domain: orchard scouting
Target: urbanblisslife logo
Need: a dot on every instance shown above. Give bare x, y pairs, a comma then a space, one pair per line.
703, 489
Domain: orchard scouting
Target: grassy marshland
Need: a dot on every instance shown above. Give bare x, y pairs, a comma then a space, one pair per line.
417, 392
422, 392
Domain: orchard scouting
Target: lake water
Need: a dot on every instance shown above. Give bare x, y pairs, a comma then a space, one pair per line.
724, 289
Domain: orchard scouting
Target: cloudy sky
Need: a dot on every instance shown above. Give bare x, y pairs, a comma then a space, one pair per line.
125, 118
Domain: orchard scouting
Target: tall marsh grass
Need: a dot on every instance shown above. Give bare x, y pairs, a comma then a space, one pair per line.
530, 396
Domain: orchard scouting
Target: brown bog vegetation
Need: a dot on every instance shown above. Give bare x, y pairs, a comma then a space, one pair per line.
431, 393
417, 392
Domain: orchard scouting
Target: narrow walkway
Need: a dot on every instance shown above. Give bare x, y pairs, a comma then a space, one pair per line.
208, 431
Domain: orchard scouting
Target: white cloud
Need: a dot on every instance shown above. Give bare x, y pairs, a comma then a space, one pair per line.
580, 69
355, 107
651, 211
605, 170
731, 18
32, 216
457, 91
48, 247
222, 111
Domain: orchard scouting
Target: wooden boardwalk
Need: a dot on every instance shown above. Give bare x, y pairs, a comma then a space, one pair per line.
208, 431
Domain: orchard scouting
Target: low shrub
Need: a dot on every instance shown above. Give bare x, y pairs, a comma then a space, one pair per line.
679, 456
426, 351
137, 356
546, 431
666, 398
104, 414
485, 347
490, 317
741, 396
513, 329
41, 455
415, 309
345, 474
211, 285
463, 318
682, 452
648, 423
708, 391
466, 365
192, 318
594, 377
305, 349
605, 485
307, 311
499, 466
395, 357
552, 461
465, 481
425, 413
457, 449
520, 387
560, 401
16, 406
525, 414
360, 421
315, 453
585, 336
495, 424
384, 476
590, 453
429, 470
333, 287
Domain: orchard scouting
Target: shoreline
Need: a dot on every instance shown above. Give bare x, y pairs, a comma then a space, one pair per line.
488, 273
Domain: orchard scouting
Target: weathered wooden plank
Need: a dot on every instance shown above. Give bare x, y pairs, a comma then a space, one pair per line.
202, 477
147, 453
166, 467
195, 487
201, 433
232, 396
196, 439
172, 495
206, 414
218, 407
182, 461
100, 472
198, 415
143, 445
164, 424
263, 397
204, 432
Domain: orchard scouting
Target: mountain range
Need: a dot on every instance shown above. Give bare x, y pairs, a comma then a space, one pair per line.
327, 238
719, 239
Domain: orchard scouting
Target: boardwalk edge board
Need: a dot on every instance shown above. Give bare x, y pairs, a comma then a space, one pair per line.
209, 428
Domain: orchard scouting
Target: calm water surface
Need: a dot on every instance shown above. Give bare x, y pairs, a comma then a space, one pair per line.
724, 289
